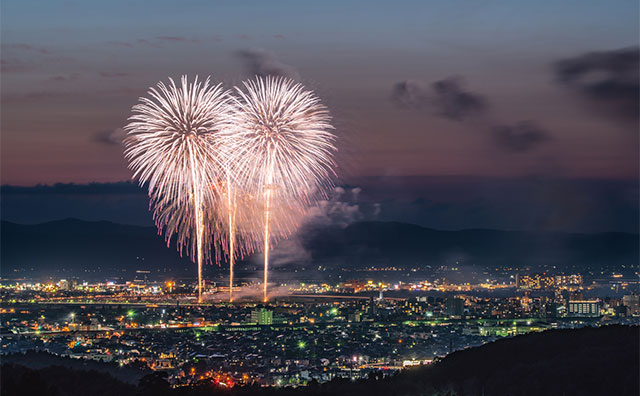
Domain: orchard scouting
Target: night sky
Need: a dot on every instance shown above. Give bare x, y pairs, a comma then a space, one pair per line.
451, 114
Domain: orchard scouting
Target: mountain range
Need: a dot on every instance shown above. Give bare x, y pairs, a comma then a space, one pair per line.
82, 247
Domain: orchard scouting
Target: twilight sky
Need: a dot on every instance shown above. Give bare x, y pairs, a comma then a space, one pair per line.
487, 90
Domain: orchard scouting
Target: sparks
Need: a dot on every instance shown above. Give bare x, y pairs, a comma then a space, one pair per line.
171, 146
230, 172
282, 151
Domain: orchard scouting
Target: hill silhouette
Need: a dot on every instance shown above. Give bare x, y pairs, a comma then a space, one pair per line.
587, 361
371, 242
80, 247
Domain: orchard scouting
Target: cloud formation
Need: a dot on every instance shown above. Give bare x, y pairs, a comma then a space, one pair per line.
445, 98
448, 99
608, 80
340, 209
259, 62
453, 102
113, 137
521, 137
410, 94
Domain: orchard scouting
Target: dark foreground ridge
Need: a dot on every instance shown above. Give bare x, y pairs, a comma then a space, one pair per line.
587, 361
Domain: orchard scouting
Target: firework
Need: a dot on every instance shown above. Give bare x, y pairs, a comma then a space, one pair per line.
172, 147
232, 209
281, 151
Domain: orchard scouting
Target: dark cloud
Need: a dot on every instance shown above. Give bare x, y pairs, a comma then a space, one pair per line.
521, 137
279, 36
410, 94
113, 74
259, 62
112, 137
445, 98
607, 79
452, 102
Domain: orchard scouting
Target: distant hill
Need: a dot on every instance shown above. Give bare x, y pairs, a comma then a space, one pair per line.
77, 246
376, 242
583, 362
555, 362
588, 361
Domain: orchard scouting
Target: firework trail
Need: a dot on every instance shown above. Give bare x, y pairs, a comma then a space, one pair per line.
232, 234
239, 212
172, 146
281, 150
232, 208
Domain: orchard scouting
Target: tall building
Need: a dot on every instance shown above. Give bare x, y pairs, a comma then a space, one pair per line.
584, 308
373, 307
262, 316
632, 302
454, 306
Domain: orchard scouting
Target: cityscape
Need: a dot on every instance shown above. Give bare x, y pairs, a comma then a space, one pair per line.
316, 332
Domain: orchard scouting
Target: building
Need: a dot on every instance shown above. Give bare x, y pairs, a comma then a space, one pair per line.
454, 307
568, 281
632, 302
584, 308
353, 286
373, 307
535, 281
506, 330
262, 316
